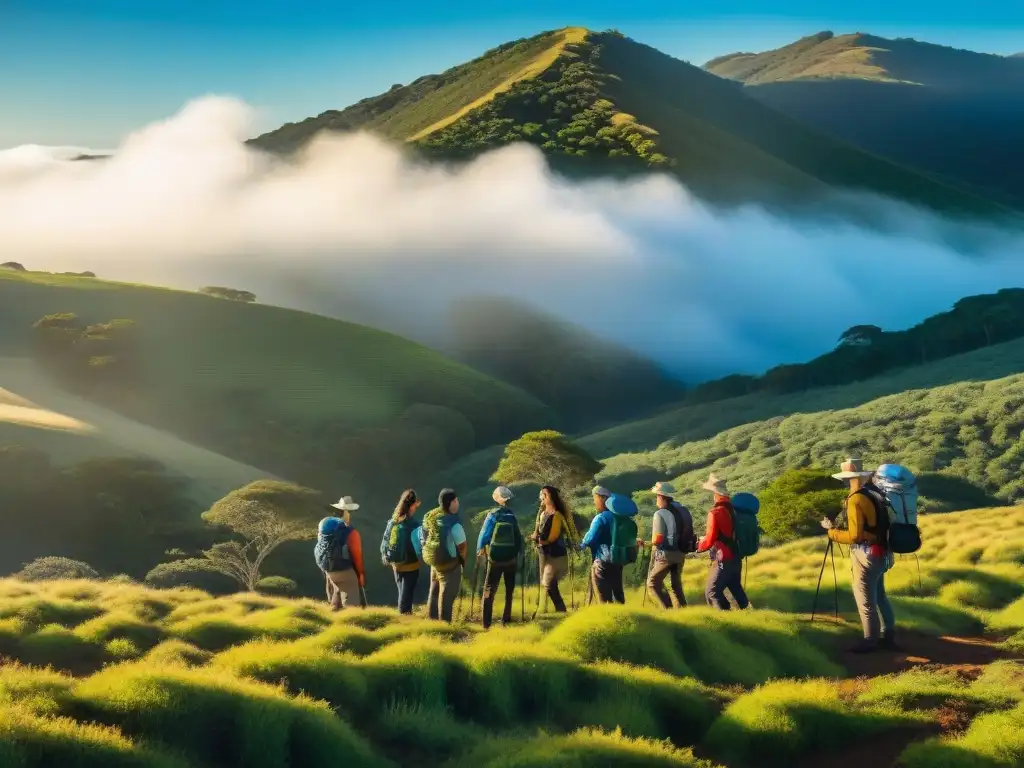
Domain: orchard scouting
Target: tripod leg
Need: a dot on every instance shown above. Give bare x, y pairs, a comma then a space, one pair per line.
817, 589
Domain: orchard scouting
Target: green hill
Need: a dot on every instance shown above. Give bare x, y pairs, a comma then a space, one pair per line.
338, 406
602, 102
948, 112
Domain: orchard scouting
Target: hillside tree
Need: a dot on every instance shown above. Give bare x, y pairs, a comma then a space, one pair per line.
794, 504
546, 458
262, 516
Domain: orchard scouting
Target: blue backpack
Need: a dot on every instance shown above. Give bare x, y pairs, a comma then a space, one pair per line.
747, 533
623, 549
396, 546
331, 550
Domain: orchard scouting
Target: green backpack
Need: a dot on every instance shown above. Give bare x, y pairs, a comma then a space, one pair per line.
504, 546
624, 550
437, 527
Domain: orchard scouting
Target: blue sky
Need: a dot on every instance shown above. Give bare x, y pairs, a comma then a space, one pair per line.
84, 72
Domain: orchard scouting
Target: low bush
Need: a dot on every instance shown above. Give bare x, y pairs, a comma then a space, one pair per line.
55, 568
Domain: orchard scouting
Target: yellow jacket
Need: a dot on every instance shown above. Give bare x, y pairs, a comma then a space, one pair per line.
860, 515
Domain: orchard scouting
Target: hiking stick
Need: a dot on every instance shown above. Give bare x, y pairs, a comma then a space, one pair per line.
835, 581
462, 590
817, 589
572, 584
362, 597
590, 582
540, 586
650, 568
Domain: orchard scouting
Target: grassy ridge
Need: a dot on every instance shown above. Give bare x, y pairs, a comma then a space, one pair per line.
174, 677
948, 112
273, 387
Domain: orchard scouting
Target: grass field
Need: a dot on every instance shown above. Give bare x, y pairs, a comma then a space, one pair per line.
172, 678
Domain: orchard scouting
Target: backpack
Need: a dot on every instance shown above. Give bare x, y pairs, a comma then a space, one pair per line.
686, 539
437, 529
624, 531
505, 537
746, 533
331, 550
396, 547
898, 487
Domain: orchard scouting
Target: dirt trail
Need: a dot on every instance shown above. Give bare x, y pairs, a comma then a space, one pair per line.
919, 649
29, 398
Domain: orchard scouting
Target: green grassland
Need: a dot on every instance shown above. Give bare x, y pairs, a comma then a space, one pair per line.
602, 102
310, 398
111, 673
948, 112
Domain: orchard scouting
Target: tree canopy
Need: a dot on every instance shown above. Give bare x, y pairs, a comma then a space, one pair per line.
546, 458
793, 505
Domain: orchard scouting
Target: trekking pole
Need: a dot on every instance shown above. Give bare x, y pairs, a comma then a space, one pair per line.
590, 582
462, 591
650, 568
572, 584
835, 581
362, 597
817, 589
540, 586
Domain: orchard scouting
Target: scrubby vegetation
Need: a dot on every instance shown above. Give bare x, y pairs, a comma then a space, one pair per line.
232, 294
175, 677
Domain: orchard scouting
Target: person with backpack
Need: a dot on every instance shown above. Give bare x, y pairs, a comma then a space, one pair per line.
613, 543
725, 572
500, 544
672, 538
398, 548
443, 547
554, 531
339, 554
867, 517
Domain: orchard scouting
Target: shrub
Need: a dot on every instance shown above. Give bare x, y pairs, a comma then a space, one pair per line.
793, 505
54, 568
277, 585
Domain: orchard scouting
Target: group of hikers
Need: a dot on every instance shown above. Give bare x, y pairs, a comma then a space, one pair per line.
440, 541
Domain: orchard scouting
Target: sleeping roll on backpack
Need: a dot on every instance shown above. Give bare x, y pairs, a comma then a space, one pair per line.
624, 550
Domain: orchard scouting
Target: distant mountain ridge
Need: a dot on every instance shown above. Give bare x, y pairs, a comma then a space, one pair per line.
951, 113
603, 101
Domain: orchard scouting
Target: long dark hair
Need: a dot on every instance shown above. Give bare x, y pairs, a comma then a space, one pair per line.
405, 502
560, 506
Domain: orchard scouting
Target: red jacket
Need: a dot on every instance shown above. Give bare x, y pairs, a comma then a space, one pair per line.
719, 524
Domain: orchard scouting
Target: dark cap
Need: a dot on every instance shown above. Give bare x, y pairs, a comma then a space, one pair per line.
446, 497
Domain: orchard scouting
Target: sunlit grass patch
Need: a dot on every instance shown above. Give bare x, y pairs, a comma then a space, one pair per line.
784, 719
41, 691
584, 748
178, 652
217, 717
993, 740
112, 626
41, 611
921, 689
57, 646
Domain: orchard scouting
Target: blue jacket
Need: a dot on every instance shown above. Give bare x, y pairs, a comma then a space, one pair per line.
599, 537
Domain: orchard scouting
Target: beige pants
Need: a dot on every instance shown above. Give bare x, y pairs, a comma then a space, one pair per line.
341, 586
552, 569
444, 588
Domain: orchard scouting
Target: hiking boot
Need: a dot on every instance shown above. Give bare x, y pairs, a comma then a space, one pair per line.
864, 646
888, 643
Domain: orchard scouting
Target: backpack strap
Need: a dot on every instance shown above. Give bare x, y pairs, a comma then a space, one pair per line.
881, 512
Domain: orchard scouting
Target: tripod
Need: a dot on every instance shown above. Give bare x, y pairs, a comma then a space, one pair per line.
829, 552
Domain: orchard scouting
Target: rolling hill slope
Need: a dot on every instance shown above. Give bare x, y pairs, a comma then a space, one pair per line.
953, 113
334, 405
600, 101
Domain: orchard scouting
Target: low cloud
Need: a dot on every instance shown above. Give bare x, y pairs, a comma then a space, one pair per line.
358, 229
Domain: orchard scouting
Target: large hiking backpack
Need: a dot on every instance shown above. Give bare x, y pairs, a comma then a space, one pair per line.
623, 550
747, 533
396, 547
505, 539
437, 529
899, 489
331, 550
686, 539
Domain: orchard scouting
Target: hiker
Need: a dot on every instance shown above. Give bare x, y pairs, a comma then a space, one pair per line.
672, 538
555, 527
725, 571
399, 548
613, 543
501, 543
443, 548
339, 554
867, 518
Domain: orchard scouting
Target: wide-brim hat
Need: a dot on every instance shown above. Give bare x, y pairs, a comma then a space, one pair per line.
345, 504
664, 489
851, 468
716, 484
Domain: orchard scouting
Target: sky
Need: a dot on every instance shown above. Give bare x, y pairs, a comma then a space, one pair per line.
85, 74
